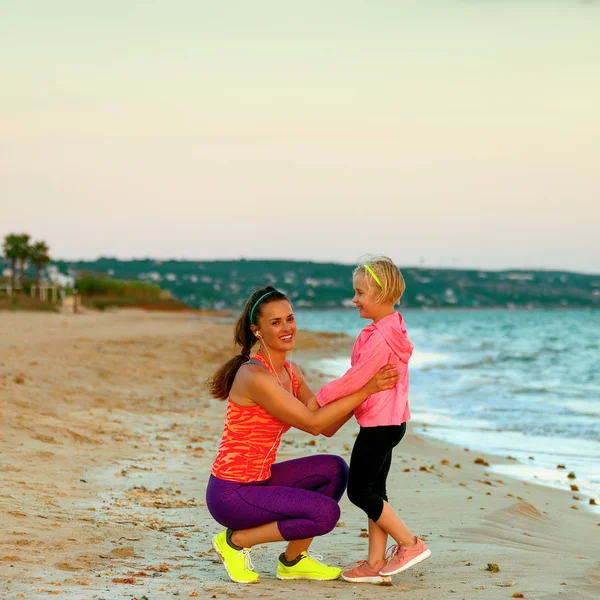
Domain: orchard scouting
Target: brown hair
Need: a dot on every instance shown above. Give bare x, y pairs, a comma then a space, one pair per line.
392, 283
220, 383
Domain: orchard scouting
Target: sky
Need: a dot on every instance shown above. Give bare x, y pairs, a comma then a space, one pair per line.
450, 133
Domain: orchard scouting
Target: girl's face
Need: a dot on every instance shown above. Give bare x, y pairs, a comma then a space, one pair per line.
364, 293
277, 326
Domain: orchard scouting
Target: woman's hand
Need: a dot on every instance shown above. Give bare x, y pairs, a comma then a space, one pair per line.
385, 379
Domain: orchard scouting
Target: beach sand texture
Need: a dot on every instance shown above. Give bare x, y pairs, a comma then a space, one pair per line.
107, 437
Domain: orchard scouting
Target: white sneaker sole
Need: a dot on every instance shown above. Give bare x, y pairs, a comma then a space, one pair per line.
378, 580
415, 561
226, 569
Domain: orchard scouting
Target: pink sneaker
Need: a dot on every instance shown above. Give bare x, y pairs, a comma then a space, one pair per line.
404, 557
363, 572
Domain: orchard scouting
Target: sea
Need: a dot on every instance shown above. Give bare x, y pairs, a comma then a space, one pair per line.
520, 384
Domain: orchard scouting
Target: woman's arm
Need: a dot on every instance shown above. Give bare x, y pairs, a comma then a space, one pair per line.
306, 395
333, 429
263, 389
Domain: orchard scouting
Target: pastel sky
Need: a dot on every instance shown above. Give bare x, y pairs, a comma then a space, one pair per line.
458, 133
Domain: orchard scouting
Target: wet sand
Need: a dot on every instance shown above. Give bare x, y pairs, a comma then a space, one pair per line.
107, 436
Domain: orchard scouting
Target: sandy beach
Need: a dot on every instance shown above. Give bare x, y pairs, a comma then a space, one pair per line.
107, 436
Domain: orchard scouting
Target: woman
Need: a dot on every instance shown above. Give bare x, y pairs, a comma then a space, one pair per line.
256, 500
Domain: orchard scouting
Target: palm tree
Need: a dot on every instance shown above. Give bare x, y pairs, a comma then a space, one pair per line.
15, 249
24, 249
38, 254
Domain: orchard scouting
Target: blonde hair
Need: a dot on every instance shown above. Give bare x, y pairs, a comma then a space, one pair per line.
387, 278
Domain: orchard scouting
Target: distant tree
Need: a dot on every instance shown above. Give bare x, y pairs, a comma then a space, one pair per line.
16, 249
38, 255
24, 249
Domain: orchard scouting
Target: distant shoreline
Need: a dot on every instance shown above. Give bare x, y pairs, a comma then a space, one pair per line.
226, 285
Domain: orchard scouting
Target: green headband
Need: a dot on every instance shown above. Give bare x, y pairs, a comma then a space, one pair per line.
258, 302
368, 268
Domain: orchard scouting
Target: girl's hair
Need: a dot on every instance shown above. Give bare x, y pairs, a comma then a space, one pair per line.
220, 383
381, 272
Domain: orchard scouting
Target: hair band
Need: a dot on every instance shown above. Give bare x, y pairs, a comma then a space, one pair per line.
258, 302
368, 268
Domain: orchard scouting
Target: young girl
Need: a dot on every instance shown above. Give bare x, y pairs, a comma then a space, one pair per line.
378, 286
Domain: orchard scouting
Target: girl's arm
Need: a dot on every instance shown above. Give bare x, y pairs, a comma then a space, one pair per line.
374, 353
263, 389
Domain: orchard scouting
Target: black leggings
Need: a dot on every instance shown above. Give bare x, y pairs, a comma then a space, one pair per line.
370, 465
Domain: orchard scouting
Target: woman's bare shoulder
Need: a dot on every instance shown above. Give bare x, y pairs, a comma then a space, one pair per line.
249, 373
248, 378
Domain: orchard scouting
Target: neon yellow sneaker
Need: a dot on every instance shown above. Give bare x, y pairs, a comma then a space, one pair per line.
306, 566
236, 560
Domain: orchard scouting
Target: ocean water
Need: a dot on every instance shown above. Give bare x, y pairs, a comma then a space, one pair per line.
524, 384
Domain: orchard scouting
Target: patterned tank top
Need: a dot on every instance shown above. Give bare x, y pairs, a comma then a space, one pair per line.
251, 437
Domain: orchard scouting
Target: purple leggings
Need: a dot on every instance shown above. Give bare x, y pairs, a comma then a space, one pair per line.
302, 495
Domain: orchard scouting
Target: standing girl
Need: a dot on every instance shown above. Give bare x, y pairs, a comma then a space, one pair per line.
378, 287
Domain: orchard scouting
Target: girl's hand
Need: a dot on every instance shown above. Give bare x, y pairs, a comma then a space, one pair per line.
385, 379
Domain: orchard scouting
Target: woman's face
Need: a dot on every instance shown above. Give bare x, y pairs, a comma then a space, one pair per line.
277, 325
363, 296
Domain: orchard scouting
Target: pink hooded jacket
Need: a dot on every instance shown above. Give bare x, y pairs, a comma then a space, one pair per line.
379, 344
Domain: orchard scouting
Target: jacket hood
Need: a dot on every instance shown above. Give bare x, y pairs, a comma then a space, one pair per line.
394, 332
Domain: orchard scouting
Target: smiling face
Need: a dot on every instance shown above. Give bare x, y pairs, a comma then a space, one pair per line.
277, 325
364, 296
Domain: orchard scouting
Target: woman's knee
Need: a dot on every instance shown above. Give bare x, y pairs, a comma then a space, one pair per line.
336, 468
328, 519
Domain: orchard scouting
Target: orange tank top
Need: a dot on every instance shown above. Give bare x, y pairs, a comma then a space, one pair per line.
251, 437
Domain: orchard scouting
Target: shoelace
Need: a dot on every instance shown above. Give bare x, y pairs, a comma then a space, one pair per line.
393, 551
244, 555
314, 555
